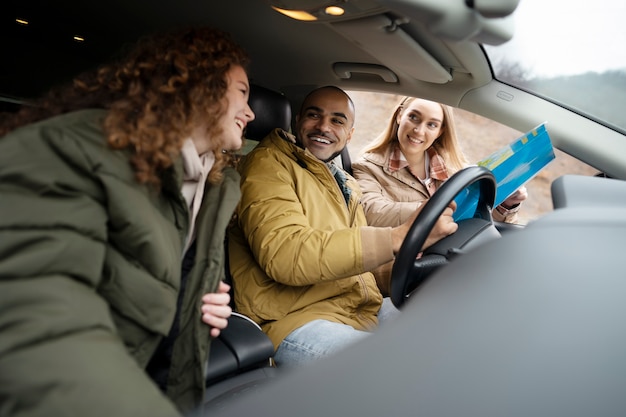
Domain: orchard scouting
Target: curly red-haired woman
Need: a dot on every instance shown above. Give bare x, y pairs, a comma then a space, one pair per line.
116, 192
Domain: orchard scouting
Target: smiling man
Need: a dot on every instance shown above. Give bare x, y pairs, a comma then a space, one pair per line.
325, 123
303, 260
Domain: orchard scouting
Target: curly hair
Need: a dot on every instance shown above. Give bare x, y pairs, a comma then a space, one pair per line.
447, 145
155, 95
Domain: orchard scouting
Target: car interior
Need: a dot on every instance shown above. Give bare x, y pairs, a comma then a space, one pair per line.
499, 319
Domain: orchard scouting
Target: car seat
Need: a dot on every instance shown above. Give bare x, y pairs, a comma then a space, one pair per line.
271, 109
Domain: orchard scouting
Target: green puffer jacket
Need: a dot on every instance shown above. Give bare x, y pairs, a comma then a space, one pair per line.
90, 265
298, 252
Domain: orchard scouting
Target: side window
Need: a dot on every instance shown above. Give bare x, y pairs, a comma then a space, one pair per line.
478, 136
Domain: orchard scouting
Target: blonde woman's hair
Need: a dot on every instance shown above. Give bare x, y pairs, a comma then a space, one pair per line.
446, 145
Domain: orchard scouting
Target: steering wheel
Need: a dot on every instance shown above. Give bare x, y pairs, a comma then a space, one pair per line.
408, 272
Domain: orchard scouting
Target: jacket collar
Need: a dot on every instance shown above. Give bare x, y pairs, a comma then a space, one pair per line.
286, 142
438, 169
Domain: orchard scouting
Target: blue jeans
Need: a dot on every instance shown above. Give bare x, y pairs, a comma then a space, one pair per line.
320, 338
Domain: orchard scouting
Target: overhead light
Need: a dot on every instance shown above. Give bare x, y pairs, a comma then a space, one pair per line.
79, 39
296, 14
326, 10
334, 11
22, 21
311, 15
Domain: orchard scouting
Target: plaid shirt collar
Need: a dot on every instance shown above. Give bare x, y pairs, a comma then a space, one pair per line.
436, 166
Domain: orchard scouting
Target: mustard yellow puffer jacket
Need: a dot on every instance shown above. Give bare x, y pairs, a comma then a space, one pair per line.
298, 253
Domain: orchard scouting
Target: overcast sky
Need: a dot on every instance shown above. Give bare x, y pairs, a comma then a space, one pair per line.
566, 37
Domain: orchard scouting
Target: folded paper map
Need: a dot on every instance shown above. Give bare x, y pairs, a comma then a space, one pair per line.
512, 166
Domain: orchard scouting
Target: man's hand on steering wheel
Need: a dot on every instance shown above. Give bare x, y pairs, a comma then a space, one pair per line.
445, 226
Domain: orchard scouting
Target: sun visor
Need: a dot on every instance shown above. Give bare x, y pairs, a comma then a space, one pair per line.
483, 21
375, 34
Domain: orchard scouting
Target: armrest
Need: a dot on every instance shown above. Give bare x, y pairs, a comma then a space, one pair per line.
240, 347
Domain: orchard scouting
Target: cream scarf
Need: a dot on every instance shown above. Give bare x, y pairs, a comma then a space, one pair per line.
196, 170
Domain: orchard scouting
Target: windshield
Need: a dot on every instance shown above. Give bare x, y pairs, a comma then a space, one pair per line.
571, 52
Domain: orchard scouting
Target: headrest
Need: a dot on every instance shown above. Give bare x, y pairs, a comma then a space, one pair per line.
271, 110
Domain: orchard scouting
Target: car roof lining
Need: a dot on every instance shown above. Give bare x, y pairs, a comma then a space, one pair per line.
109, 26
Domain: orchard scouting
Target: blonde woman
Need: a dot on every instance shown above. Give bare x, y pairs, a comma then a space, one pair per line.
410, 160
